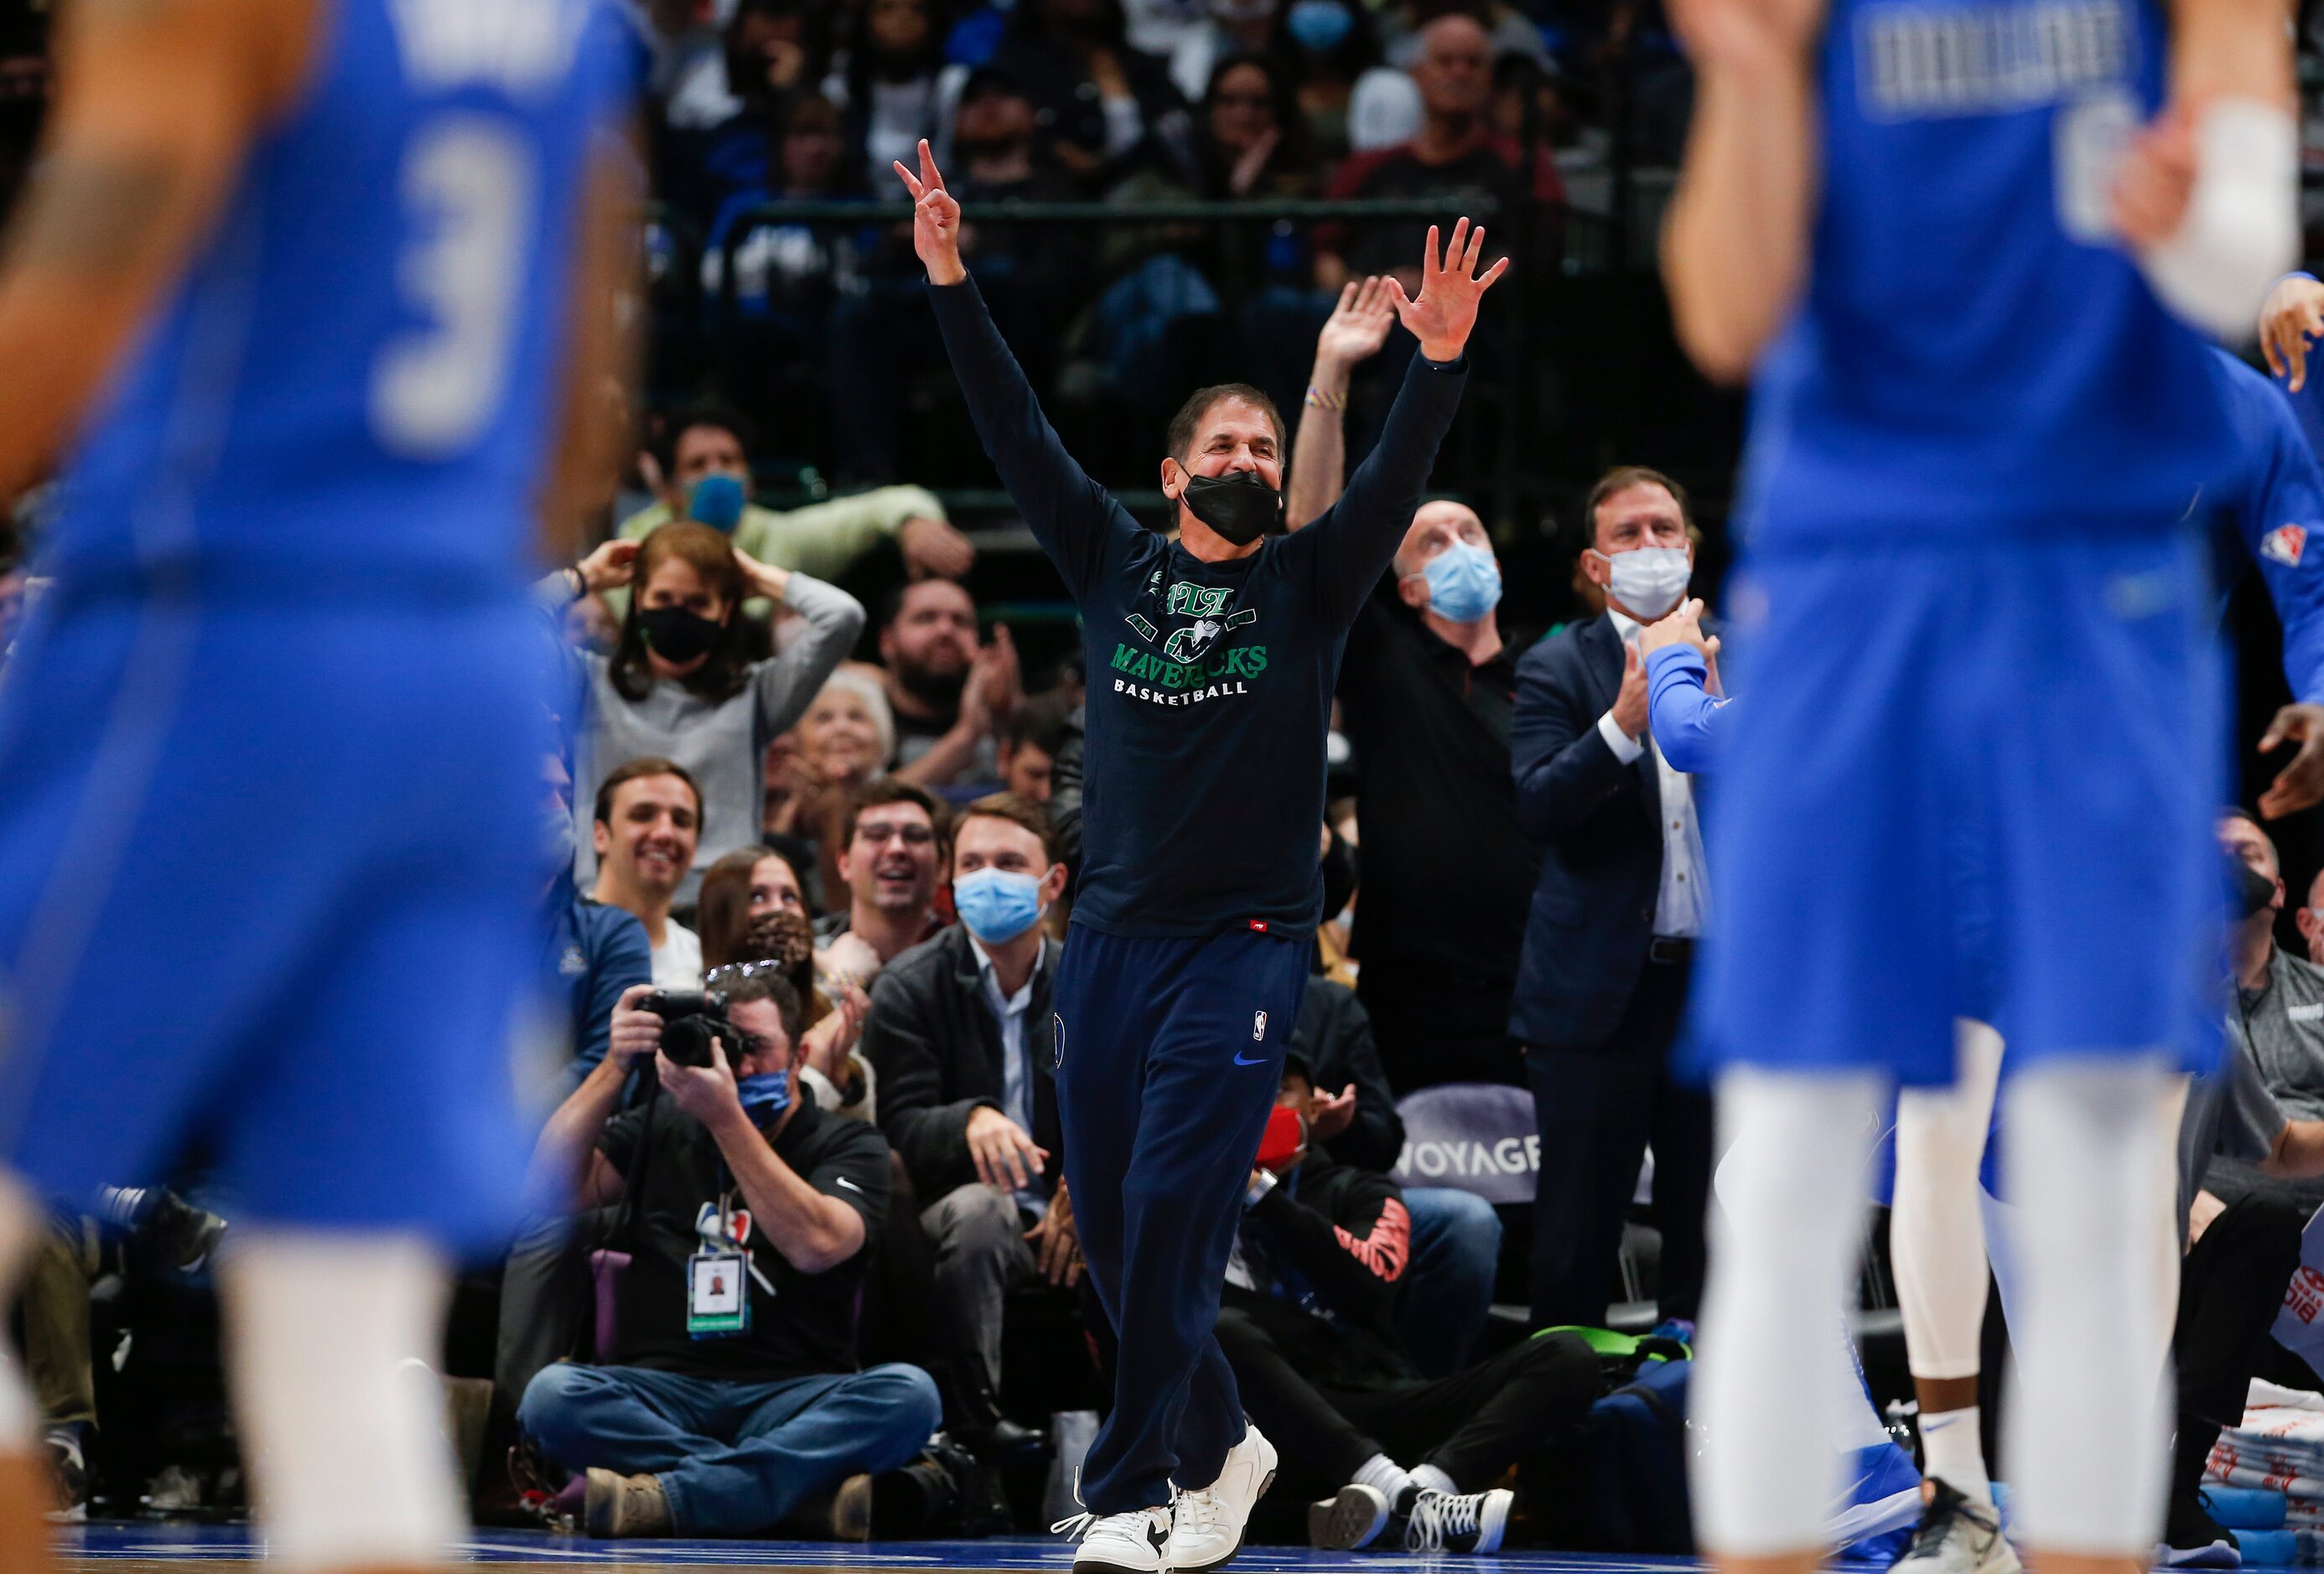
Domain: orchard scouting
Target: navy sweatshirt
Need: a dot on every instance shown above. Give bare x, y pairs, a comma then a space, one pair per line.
1210, 683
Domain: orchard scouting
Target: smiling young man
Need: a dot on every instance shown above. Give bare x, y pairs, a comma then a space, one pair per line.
1200, 883
649, 817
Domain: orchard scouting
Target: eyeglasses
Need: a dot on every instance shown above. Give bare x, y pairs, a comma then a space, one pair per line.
876, 832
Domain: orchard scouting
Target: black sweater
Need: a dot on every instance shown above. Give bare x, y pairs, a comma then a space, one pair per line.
1210, 685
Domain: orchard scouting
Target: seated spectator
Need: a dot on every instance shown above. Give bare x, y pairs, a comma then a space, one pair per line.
1107, 110
1328, 49
737, 891
846, 738
1253, 145
891, 852
1227, 30
727, 97
649, 814
1456, 1235
680, 685
2309, 920
842, 1080
1306, 1321
1029, 753
960, 1033
1404, 26
1456, 156
730, 1403
2278, 1009
891, 85
824, 539
951, 693
594, 951
2239, 1255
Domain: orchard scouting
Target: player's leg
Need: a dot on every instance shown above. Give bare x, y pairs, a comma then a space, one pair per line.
116, 1013
2103, 780
350, 1468
1936, 1243
1787, 1235
1825, 982
2088, 1146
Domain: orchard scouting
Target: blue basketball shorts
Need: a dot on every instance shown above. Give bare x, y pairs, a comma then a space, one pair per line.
1971, 778
268, 883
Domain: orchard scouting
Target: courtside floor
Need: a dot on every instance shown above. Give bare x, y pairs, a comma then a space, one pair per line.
129, 1548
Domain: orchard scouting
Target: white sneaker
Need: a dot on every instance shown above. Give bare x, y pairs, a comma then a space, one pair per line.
1957, 1536
1351, 1519
1448, 1522
1207, 1524
1111, 1543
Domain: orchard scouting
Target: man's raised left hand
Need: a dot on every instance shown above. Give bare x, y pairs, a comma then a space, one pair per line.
1449, 292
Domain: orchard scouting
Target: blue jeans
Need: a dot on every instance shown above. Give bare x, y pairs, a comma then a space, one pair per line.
1448, 1286
733, 1458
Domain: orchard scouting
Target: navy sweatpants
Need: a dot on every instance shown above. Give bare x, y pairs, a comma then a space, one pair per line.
1169, 1054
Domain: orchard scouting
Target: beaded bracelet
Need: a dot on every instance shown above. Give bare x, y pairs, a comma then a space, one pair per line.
1319, 400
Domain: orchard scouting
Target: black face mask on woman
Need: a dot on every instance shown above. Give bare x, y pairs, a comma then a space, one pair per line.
1239, 505
675, 634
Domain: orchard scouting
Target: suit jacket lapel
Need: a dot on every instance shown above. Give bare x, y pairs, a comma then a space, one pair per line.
1601, 649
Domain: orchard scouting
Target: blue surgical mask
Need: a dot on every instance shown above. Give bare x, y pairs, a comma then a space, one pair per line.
997, 905
1465, 583
764, 1094
1319, 26
717, 501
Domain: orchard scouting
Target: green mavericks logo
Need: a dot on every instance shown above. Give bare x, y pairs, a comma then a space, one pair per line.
1243, 661
1197, 601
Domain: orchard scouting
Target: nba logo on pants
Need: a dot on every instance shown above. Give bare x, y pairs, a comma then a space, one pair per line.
1257, 1027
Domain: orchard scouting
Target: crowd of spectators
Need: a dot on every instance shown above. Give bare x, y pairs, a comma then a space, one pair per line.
1454, 102
827, 1283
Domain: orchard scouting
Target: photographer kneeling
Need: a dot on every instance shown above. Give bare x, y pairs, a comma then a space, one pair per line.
731, 1403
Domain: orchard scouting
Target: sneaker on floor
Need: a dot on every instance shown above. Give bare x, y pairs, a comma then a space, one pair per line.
1352, 1518
1454, 1522
2192, 1539
69, 1471
1957, 1536
1110, 1543
624, 1505
1207, 1524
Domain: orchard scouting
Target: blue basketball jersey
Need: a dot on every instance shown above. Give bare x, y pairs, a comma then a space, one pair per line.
1974, 351
359, 375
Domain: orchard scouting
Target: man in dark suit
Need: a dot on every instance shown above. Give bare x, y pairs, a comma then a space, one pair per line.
1610, 937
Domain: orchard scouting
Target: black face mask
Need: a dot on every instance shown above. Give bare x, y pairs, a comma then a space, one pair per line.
675, 634
2250, 890
1239, 505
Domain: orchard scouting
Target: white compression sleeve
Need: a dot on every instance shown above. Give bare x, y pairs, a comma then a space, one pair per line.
348, 1456
1936, 1236
2241, 232
2090, 1170
1787, 1233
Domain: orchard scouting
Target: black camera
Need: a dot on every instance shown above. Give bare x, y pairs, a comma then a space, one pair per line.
691, 1021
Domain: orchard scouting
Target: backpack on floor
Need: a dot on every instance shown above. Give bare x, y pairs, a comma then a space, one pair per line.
1617, 1481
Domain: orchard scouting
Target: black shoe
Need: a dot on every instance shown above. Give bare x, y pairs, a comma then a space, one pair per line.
974, 1421
907, 1504
185, 1235
2192, 1539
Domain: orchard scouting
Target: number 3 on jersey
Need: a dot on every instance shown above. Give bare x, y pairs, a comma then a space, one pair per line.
468, 191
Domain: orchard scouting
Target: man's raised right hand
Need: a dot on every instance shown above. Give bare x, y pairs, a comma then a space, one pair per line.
935, 220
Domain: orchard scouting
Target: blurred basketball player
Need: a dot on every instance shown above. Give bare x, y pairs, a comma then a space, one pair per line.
303, 286
1958, 243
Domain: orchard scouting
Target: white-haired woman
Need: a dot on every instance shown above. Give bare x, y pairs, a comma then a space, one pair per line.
845, 738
